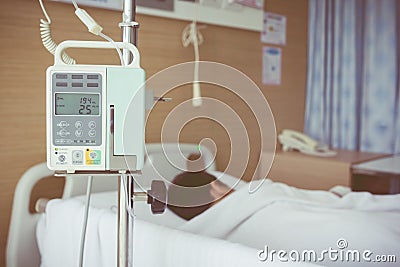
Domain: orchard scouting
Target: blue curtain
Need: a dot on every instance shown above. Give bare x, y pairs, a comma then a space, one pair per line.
353, 74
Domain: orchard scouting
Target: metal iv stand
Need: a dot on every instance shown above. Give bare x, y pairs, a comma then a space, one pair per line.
156, 195
125, 221
126, 181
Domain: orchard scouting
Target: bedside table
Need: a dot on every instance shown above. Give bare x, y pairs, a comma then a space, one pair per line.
311, 172
381, 176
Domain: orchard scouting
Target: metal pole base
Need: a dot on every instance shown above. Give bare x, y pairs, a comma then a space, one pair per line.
125, 221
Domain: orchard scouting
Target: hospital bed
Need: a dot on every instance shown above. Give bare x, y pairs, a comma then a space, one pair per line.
208, 239
159, 244
22, 247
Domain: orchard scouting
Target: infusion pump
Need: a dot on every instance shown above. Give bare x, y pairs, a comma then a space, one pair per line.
95, 113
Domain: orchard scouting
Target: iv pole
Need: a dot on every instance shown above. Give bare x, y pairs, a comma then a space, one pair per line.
156, 196
125, 220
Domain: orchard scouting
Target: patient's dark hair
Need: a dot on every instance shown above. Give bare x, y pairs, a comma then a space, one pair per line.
178, 195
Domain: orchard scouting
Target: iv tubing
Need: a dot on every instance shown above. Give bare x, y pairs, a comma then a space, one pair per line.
85, 220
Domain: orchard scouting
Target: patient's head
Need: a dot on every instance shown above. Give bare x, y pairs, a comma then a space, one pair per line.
195, 163
182, 201
187, 202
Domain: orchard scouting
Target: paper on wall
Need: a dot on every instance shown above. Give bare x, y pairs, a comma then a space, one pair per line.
274, 29
251, 3
272, 64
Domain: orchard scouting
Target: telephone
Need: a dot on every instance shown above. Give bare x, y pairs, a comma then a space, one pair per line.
293, 140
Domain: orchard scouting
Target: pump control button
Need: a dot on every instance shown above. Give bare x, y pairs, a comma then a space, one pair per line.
92, 155
63, 124
78, 133
92, 133
63, 133
61, 158
77, 155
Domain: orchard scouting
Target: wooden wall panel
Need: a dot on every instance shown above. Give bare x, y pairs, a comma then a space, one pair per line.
24, 61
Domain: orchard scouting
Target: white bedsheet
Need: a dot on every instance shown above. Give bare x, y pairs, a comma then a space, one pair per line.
286, 218
59, 238
277, 216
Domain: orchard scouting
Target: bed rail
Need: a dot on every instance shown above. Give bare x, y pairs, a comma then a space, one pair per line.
23, 223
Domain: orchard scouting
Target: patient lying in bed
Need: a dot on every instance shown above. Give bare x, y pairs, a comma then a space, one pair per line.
185, 204
188, 203
277, 217
280, 217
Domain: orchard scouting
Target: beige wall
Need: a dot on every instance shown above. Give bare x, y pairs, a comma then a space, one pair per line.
24, 61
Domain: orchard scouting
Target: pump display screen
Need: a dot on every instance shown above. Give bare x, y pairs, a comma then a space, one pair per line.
77, 104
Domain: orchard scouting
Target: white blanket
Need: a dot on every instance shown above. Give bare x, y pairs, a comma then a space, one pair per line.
59, 233
281, 217
276, 217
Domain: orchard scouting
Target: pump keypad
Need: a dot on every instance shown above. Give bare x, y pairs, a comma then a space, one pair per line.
77, 117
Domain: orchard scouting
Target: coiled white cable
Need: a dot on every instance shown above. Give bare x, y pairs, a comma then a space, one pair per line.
47, 40
50, 45
191, 35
